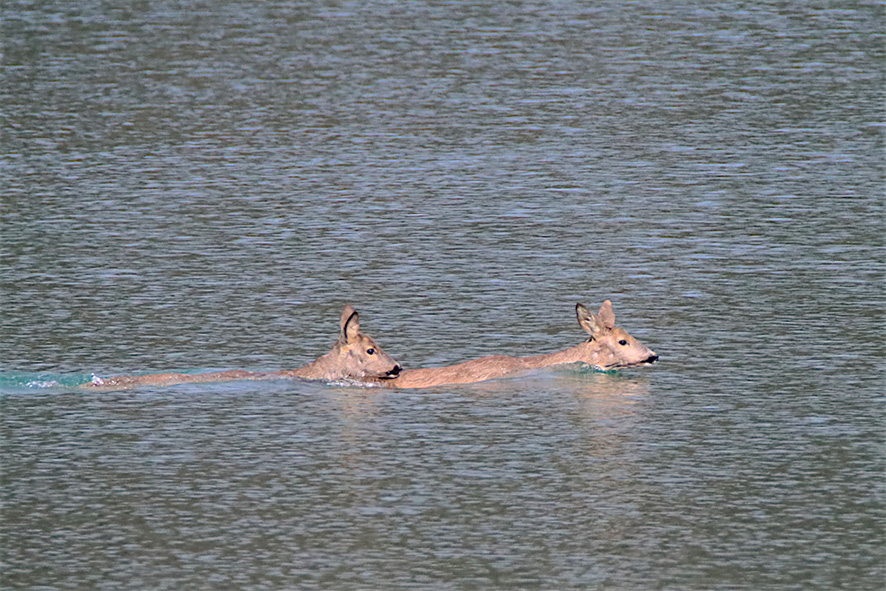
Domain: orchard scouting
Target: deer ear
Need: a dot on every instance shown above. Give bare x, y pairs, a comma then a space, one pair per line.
350, 324
606, 317
585, 319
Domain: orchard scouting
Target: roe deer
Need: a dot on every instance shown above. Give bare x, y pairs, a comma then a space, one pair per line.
609, 348
354, 356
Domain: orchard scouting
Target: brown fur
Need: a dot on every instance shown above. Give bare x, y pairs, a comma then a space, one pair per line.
603, 351
354, 356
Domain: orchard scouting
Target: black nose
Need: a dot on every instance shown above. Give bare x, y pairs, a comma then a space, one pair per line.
651, 359
396, 371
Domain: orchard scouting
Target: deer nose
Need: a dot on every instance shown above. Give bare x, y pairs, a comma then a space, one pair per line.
396, 371
651, 359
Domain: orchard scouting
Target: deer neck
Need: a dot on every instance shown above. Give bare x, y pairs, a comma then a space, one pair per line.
319, 369
584, 352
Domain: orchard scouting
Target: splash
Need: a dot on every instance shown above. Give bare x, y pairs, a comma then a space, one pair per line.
22, 382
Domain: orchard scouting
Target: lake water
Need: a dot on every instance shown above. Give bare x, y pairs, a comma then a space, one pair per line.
199, 185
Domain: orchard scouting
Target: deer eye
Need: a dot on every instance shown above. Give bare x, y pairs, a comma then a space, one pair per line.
622, 342
370, 351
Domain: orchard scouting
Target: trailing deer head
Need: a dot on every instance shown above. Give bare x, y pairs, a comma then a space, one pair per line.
354, 356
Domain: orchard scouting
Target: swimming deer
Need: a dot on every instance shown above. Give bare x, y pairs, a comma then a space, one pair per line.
355, 356
609, 348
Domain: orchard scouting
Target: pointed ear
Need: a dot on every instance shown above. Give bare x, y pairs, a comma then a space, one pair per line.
606, 316
350, 324
585, 319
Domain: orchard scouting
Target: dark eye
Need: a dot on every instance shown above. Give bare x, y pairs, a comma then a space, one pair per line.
622, 342
370, 351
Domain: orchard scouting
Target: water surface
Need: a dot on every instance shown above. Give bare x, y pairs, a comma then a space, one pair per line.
192, 186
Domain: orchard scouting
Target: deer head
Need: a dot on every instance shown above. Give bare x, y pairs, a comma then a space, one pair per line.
611, 347
356, 355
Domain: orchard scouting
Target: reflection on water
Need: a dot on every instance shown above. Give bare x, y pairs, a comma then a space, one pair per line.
191, 186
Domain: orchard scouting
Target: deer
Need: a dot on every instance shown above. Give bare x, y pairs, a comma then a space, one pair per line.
354, 357
608, 349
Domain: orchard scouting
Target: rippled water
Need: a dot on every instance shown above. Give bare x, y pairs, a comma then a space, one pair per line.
193, 185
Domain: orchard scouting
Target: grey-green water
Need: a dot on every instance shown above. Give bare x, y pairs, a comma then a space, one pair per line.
204, 185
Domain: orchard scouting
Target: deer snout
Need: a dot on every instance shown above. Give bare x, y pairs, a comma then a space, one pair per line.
395, 372
651, 359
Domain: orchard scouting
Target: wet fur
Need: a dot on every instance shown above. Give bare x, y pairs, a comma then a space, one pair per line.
603, 350
354, 356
